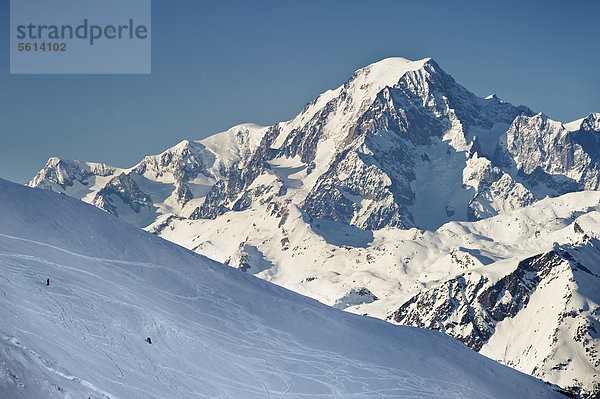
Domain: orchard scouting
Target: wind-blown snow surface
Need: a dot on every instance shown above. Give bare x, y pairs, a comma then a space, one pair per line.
216, 332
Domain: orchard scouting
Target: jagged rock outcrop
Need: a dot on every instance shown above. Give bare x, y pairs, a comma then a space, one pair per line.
356, 296
472, 307
126, 189
546, 154
495, 190
63, 173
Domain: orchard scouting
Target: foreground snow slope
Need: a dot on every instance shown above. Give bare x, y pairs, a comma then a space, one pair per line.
216, 332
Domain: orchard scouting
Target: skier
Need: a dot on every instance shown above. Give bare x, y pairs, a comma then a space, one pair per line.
47, 281
148, 340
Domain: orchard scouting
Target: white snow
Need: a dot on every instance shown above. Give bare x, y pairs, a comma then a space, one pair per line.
573, 125
325, 260
227, 144
216, 332
359, 92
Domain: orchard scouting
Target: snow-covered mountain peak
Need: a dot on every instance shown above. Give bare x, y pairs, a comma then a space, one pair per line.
181, 147
52, 161
366, 83
539, 120
178, 163
591, 123
336, 110
388, 71
59, 174
236, 142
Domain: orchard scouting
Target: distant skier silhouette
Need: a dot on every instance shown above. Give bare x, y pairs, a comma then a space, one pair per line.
148, 340
47, 281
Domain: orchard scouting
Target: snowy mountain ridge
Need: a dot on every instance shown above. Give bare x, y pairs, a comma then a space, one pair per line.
361, 192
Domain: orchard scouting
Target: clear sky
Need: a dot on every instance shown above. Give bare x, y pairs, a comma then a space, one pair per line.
217, 64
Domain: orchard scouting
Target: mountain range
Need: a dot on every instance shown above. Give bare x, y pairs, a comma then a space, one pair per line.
399, 195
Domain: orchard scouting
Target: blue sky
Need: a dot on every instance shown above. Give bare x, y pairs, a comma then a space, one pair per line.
217, 65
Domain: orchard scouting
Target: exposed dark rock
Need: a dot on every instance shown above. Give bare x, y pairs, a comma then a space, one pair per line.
124, 187
476, 303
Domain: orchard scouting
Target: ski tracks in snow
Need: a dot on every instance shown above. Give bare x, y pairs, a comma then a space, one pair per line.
258, 354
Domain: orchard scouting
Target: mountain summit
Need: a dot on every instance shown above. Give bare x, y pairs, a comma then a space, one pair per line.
386, 192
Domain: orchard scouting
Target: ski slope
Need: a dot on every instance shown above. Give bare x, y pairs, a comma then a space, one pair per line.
216, 332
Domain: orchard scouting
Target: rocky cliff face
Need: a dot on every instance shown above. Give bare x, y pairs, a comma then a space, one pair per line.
59, 174
364, 201
472, 307
549, 157
124, 188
